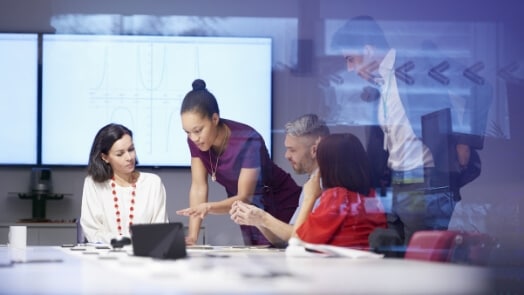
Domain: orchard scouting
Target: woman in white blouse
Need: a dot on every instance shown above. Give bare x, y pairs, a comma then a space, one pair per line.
115, 194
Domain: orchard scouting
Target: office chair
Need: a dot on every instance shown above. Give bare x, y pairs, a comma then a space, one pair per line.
450, 246
430, 245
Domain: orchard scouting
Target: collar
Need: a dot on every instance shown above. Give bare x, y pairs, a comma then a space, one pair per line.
387, 65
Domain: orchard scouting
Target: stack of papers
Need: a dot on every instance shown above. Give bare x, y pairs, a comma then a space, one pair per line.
299, 248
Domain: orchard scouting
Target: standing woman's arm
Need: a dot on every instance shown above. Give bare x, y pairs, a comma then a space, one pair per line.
246, 186
247, 183
198, 195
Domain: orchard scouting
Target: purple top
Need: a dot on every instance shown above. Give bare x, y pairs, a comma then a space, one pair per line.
246, 149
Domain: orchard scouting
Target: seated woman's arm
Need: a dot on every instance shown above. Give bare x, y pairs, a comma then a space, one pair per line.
312, 192
91, 212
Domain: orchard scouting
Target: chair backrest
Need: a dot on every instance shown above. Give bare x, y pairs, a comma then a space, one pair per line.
430, 245
450, 246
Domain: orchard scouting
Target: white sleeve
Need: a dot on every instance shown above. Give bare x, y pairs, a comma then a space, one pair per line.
159, 215
92, 212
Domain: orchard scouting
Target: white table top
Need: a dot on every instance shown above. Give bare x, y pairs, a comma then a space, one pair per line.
40, 224
227, 270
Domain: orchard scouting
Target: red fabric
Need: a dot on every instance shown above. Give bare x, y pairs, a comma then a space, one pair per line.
343, 218
430, 245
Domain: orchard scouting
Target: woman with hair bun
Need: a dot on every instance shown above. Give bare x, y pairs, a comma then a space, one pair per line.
235, 156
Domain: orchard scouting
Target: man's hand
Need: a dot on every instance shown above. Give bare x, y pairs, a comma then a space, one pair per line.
245, 214
463, 155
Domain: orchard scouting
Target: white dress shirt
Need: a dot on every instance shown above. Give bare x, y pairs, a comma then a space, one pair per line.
406, 151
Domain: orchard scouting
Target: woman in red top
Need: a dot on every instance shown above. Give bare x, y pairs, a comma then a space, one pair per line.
348, 210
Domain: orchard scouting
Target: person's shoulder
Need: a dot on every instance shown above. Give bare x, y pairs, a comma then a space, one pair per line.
236, 125
339, 191
90, 182
88, 179
149, 177
336, 189
241, 129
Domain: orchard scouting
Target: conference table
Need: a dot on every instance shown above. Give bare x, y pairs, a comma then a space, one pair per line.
97, 269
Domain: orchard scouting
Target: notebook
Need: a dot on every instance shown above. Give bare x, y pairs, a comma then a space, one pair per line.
159, 240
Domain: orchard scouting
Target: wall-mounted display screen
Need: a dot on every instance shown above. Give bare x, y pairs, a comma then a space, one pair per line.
140, 81
18, 99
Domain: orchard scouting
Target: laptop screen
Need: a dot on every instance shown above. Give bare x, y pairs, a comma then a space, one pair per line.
159, 240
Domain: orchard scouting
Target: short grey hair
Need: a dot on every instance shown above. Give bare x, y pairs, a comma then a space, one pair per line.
307, 125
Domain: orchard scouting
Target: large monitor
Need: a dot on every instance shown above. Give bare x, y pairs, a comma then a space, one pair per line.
18, 99
89, 81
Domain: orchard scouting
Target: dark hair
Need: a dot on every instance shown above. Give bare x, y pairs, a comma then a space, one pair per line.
104, 140
358, 32
343, 162
200, 100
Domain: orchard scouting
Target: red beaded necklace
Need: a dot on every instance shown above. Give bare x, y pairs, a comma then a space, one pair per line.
117, 208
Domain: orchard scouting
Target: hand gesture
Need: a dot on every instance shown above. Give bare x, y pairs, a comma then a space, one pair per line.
245, 214
199, 210
190, 241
